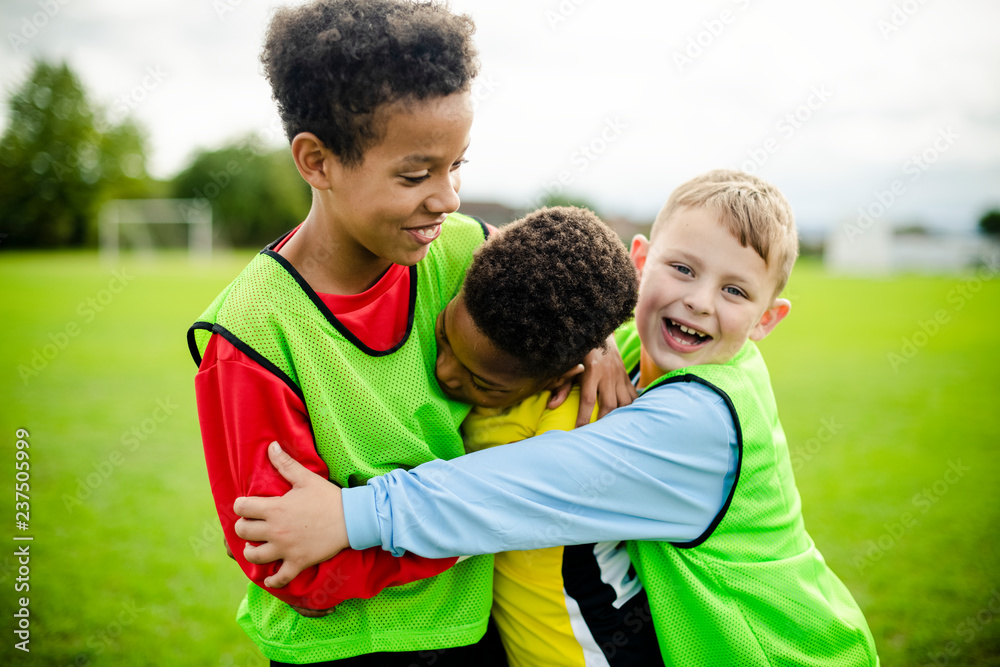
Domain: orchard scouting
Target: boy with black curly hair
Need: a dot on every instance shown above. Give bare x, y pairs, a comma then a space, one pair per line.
539, 295
326, 340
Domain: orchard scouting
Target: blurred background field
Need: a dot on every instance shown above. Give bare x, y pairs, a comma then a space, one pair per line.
889, 152
892, 423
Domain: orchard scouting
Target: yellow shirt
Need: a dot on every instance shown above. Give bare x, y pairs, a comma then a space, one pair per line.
540, 624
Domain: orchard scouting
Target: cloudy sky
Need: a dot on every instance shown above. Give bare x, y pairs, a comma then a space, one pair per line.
617, 101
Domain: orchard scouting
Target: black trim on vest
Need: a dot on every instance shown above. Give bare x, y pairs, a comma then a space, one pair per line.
332, 319
583, 581
688, 377
193, 344
337, 324
245, 349
482, 223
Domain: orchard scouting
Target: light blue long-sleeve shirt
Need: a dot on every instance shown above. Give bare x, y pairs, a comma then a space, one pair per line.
658, 469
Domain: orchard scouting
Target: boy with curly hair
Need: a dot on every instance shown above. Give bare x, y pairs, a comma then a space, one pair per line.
538, 296
696, 472
326, 340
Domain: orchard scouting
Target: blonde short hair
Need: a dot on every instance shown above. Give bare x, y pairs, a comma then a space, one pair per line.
754, 211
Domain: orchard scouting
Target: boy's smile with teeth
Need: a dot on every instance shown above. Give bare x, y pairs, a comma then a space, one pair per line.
428, 233
677, 331
695, 278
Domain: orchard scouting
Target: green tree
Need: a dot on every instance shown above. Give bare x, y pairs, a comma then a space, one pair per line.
60, 159
567, 200
990, 222
255, 192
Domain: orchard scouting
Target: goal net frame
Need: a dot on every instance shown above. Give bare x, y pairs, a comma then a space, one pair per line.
196, 213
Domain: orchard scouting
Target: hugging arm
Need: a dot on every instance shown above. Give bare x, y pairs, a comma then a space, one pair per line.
242, 408
659, 469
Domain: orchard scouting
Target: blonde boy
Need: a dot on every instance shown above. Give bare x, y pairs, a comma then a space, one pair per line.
734, 581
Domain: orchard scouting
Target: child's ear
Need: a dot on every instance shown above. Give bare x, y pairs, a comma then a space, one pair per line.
561, 386
313, 160
638, 252
564, 379
777, 312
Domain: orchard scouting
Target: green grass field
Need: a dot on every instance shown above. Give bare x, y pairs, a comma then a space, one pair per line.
888, 391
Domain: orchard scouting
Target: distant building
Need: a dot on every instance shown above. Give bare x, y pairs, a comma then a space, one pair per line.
628, 228
499, 215
492, 213
878, 248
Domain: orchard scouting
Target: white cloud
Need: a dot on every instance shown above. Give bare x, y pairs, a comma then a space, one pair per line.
559, 70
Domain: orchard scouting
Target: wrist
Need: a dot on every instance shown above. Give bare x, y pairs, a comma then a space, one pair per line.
361, 526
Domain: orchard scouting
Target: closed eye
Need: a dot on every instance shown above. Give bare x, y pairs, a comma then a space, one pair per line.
444, 338
415, 179
488, 390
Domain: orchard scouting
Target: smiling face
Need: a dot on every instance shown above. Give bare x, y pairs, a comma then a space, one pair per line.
701, 294
471, 369
391, 207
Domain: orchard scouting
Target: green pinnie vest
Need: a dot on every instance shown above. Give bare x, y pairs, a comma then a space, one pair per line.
371, 412
752, 589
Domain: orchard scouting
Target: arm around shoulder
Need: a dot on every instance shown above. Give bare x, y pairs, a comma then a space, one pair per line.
242, 408
655, 470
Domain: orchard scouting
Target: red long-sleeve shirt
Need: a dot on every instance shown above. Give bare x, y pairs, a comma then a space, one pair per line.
242, 408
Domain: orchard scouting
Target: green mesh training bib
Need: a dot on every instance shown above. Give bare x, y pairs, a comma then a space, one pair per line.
371, 412
752, 590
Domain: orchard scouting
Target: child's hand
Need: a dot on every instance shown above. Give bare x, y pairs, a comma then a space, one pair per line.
301, 528
604, 379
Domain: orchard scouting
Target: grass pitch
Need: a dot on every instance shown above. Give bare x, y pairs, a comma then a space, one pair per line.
888, 391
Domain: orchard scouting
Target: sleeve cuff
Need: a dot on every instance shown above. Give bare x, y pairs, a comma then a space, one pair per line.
360, 517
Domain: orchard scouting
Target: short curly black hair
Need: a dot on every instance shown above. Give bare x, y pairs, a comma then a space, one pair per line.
332, 64
551, 287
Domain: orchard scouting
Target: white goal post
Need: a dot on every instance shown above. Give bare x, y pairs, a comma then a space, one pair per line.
196, 213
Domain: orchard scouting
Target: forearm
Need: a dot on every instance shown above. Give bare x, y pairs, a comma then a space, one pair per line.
242, 410
640, 473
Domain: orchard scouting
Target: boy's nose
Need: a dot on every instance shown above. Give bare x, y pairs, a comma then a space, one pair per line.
699, 301
446, 370
445, 199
